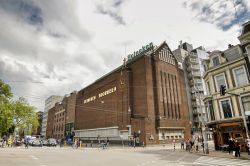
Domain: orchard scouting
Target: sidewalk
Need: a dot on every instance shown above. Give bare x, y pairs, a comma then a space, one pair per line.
213, 153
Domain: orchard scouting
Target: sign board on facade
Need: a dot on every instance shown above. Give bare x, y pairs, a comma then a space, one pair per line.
141, 51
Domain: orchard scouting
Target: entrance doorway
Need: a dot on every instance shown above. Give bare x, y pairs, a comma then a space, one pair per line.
225, 138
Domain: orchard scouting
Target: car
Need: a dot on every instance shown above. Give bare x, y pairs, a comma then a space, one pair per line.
45, 143
52, 142
36, 142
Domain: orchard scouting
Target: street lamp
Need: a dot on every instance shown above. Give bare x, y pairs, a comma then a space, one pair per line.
203, 126
102, 102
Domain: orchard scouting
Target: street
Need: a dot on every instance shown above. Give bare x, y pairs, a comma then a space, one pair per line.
152, 156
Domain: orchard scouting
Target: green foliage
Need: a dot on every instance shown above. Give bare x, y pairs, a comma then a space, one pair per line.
25, 116
15, 113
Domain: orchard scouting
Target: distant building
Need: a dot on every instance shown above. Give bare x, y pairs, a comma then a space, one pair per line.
49, 103
227, 68
70, 115
50, 123
61, 118
191, 60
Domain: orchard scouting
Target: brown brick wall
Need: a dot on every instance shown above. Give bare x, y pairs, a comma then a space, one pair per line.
138, 87
70, 108
50, 123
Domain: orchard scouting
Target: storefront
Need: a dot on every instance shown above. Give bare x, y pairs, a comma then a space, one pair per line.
223, 131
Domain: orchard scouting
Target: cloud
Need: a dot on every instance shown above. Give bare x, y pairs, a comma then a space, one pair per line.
26, 10
220, 12
112, 8
38, 39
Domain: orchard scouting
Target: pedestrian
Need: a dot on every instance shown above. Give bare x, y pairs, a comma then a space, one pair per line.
103, 144
9, 142
26, 143
107, 142
91, 144
75, 143
230, 145
237, 149
174, 143
196, 145
182, 144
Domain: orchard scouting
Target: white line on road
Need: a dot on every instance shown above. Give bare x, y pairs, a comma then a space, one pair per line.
34, 157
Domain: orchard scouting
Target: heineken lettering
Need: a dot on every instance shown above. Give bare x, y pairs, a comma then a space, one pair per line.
141, 51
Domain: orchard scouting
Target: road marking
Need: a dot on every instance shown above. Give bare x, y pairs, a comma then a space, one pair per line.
34, 157
181, 158
221, 161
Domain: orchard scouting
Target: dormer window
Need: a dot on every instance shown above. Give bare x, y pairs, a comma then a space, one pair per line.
216, 61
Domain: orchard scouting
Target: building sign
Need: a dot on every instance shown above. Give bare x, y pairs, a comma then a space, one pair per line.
106, 92
141, 51
109, 91
89, 99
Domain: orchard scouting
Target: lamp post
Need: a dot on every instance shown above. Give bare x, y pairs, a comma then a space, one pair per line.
203, 126
102, 102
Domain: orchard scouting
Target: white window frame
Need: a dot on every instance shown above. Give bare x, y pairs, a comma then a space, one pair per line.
208, 88
236, 82
213, 61
221, 109
216, 84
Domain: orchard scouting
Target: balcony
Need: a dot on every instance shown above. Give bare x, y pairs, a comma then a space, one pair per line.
194, 104
195, 112
193, 67
193, 61
194, 74
193, 55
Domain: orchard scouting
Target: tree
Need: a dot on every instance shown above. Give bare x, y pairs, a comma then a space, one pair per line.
6, 112
25, 116
15, 114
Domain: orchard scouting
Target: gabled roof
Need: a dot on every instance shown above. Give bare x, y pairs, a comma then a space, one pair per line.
158, 48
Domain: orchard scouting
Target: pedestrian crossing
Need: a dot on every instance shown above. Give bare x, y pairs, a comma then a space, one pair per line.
205, 160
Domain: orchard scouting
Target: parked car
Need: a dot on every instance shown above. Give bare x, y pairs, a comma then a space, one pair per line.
52, 142
36, 142
45, 143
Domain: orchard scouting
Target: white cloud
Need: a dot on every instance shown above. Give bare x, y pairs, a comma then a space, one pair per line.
55, 47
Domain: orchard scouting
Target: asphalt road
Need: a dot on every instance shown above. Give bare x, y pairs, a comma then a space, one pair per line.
49, 156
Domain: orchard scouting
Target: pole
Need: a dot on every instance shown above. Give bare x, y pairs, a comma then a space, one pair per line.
203, 129
243, 116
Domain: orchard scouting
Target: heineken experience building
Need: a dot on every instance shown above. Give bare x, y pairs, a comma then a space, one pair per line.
143, 100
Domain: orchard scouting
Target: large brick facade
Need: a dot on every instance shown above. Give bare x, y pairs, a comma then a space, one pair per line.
50, 123
145, 97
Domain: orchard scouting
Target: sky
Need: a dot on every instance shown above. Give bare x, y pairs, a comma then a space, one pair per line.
53, 47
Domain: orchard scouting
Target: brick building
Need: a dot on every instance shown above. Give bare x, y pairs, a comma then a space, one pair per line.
70, 114
144, 98
61, 118
50, 123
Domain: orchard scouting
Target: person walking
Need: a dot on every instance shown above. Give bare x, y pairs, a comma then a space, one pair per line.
9, 142
237, 149
174, 143
182, 144
26, 143
230, 145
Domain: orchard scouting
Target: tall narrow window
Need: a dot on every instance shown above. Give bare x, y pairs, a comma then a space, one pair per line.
240, 76
167, 93
211, 110
216, 61
208, 88
163, 95
220, 80
226, 108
